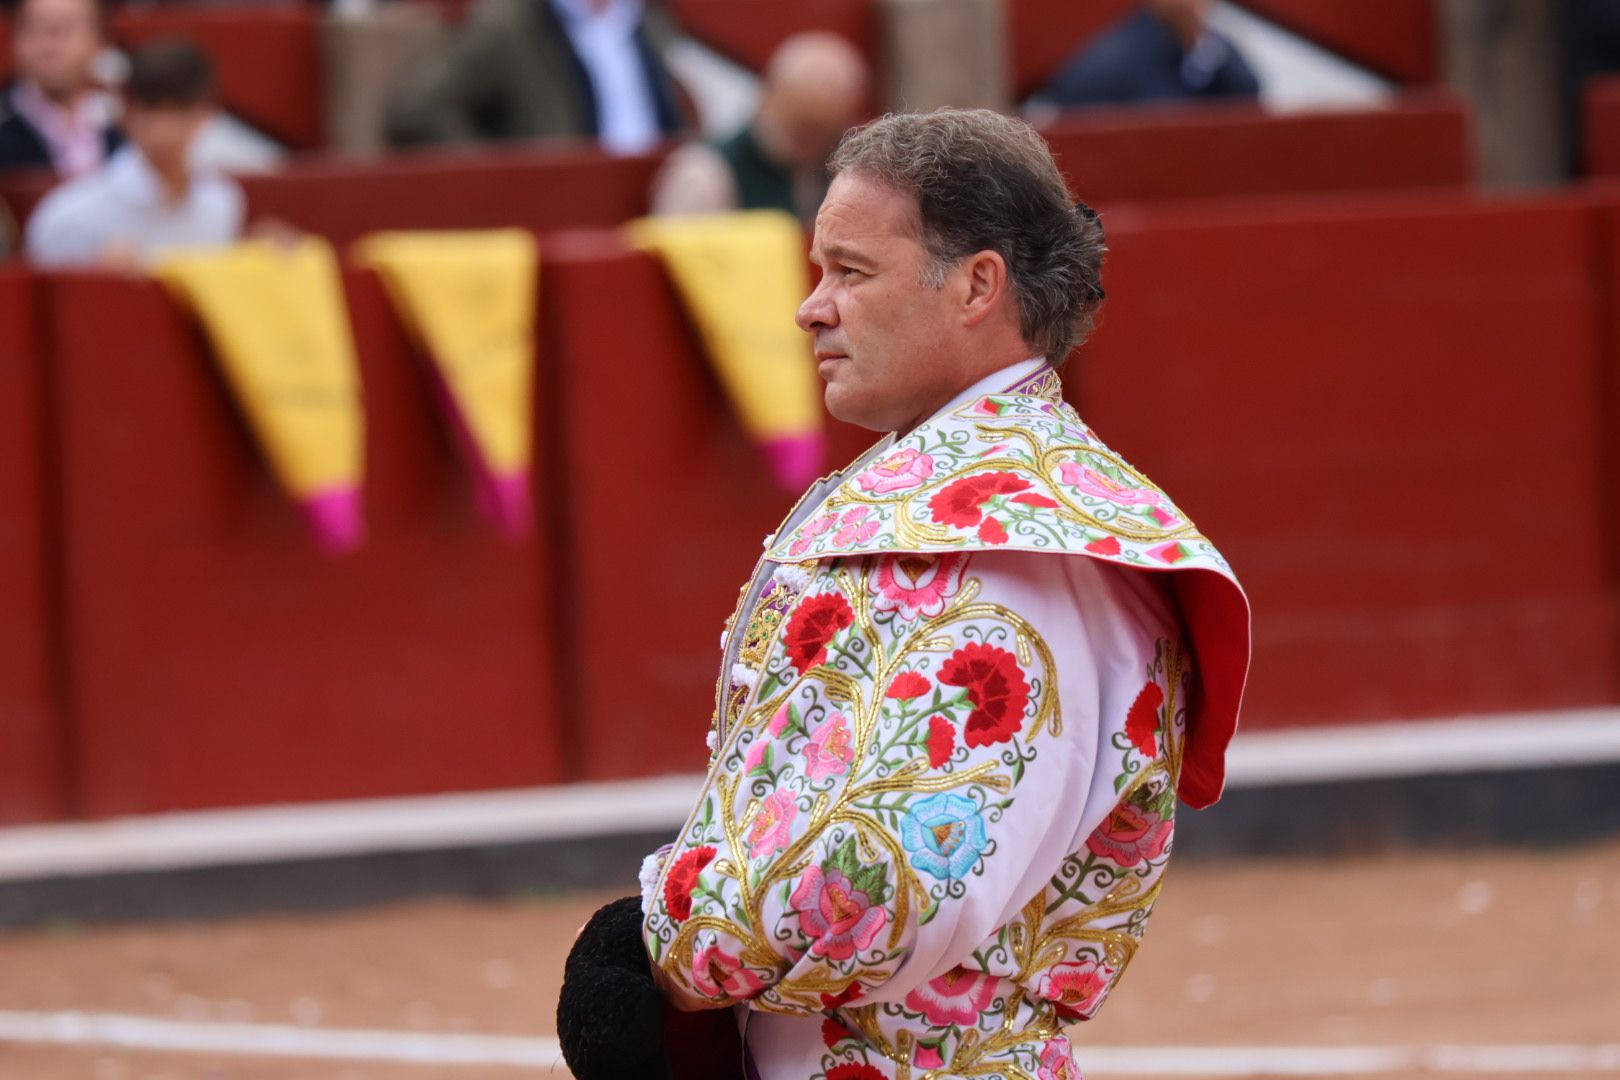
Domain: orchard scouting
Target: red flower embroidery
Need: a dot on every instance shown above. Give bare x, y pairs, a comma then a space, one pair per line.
843, 997
816, 622
907, 685
1032, 499
1108, 545
1143, 720
833, 1032
992, 532
996, 687
1130, 834
959, 502
854, 1072
941, 741
682, 877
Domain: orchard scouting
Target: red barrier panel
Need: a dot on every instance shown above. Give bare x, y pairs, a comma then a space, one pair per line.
267, 60
748, 31
1385, 416
662, 508
1397, 38
31, 739
1181, 151
217, 659
1600, 126
541, 190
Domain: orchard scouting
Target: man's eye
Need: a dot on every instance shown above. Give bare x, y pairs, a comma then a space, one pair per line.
850, 271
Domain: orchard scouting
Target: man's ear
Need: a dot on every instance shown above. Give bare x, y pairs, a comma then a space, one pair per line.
985, 286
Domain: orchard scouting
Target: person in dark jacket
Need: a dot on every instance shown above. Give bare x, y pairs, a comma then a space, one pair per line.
1164, 52
536, 69
54, 114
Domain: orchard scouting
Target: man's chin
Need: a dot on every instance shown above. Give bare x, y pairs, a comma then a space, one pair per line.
847, 406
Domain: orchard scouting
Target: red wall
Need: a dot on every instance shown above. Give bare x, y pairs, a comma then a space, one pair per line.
1388, 417
1396, 414
31, 738
1150, 154
216, 658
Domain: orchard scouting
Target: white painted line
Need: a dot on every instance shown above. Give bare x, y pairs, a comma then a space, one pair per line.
114, 1030
1422, 748
269, 1040
658, 804
315, 830
1215, 1061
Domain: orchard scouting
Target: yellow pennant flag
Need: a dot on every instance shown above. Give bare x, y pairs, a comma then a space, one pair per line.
742, 277
468, 299
275, 315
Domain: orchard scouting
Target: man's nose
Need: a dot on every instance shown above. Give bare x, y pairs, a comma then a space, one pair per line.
818, 311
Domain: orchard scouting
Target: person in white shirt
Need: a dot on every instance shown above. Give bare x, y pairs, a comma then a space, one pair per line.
148, 198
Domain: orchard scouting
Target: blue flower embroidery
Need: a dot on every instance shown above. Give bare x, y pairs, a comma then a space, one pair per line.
944, 834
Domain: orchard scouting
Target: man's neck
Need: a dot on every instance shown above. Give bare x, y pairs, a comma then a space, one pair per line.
987, 382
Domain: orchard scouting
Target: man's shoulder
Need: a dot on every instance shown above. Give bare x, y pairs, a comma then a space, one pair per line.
1008, 472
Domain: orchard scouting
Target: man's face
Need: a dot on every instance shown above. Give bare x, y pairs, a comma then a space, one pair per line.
54, 45
163, 133
883, 339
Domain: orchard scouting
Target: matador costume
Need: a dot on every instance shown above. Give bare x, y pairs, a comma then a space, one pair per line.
961, 695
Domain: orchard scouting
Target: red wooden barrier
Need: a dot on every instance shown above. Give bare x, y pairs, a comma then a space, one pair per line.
1385, 415
31, 738
662, 508
1600, 126
1181, 151
542, 190
748, 31
1396, 38
216, 658
267, 60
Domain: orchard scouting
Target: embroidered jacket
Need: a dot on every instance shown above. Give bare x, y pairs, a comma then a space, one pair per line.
959, 699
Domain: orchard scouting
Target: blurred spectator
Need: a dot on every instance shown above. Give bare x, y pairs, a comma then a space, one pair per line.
1166, 51
56, 117
815, 87
526, 69
147, 198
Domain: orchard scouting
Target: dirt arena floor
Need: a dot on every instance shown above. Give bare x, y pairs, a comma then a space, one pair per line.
1481, 949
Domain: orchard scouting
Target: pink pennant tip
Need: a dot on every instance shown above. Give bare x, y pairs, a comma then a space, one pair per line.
504, 499
796, 460
337, 518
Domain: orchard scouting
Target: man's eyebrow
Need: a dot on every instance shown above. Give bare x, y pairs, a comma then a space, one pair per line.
841, 253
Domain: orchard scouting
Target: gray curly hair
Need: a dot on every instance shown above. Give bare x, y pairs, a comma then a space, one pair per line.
987, 182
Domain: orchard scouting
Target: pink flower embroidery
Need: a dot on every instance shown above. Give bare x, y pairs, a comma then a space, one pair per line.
854, 528
756, 755
917, 585
898, 472
1091, 482
1130, 834
1056, 1062
956, 997
1077, 988
779, 722
808, 532
719, 974
842, 919
773, 827
928, 1056
829, 752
